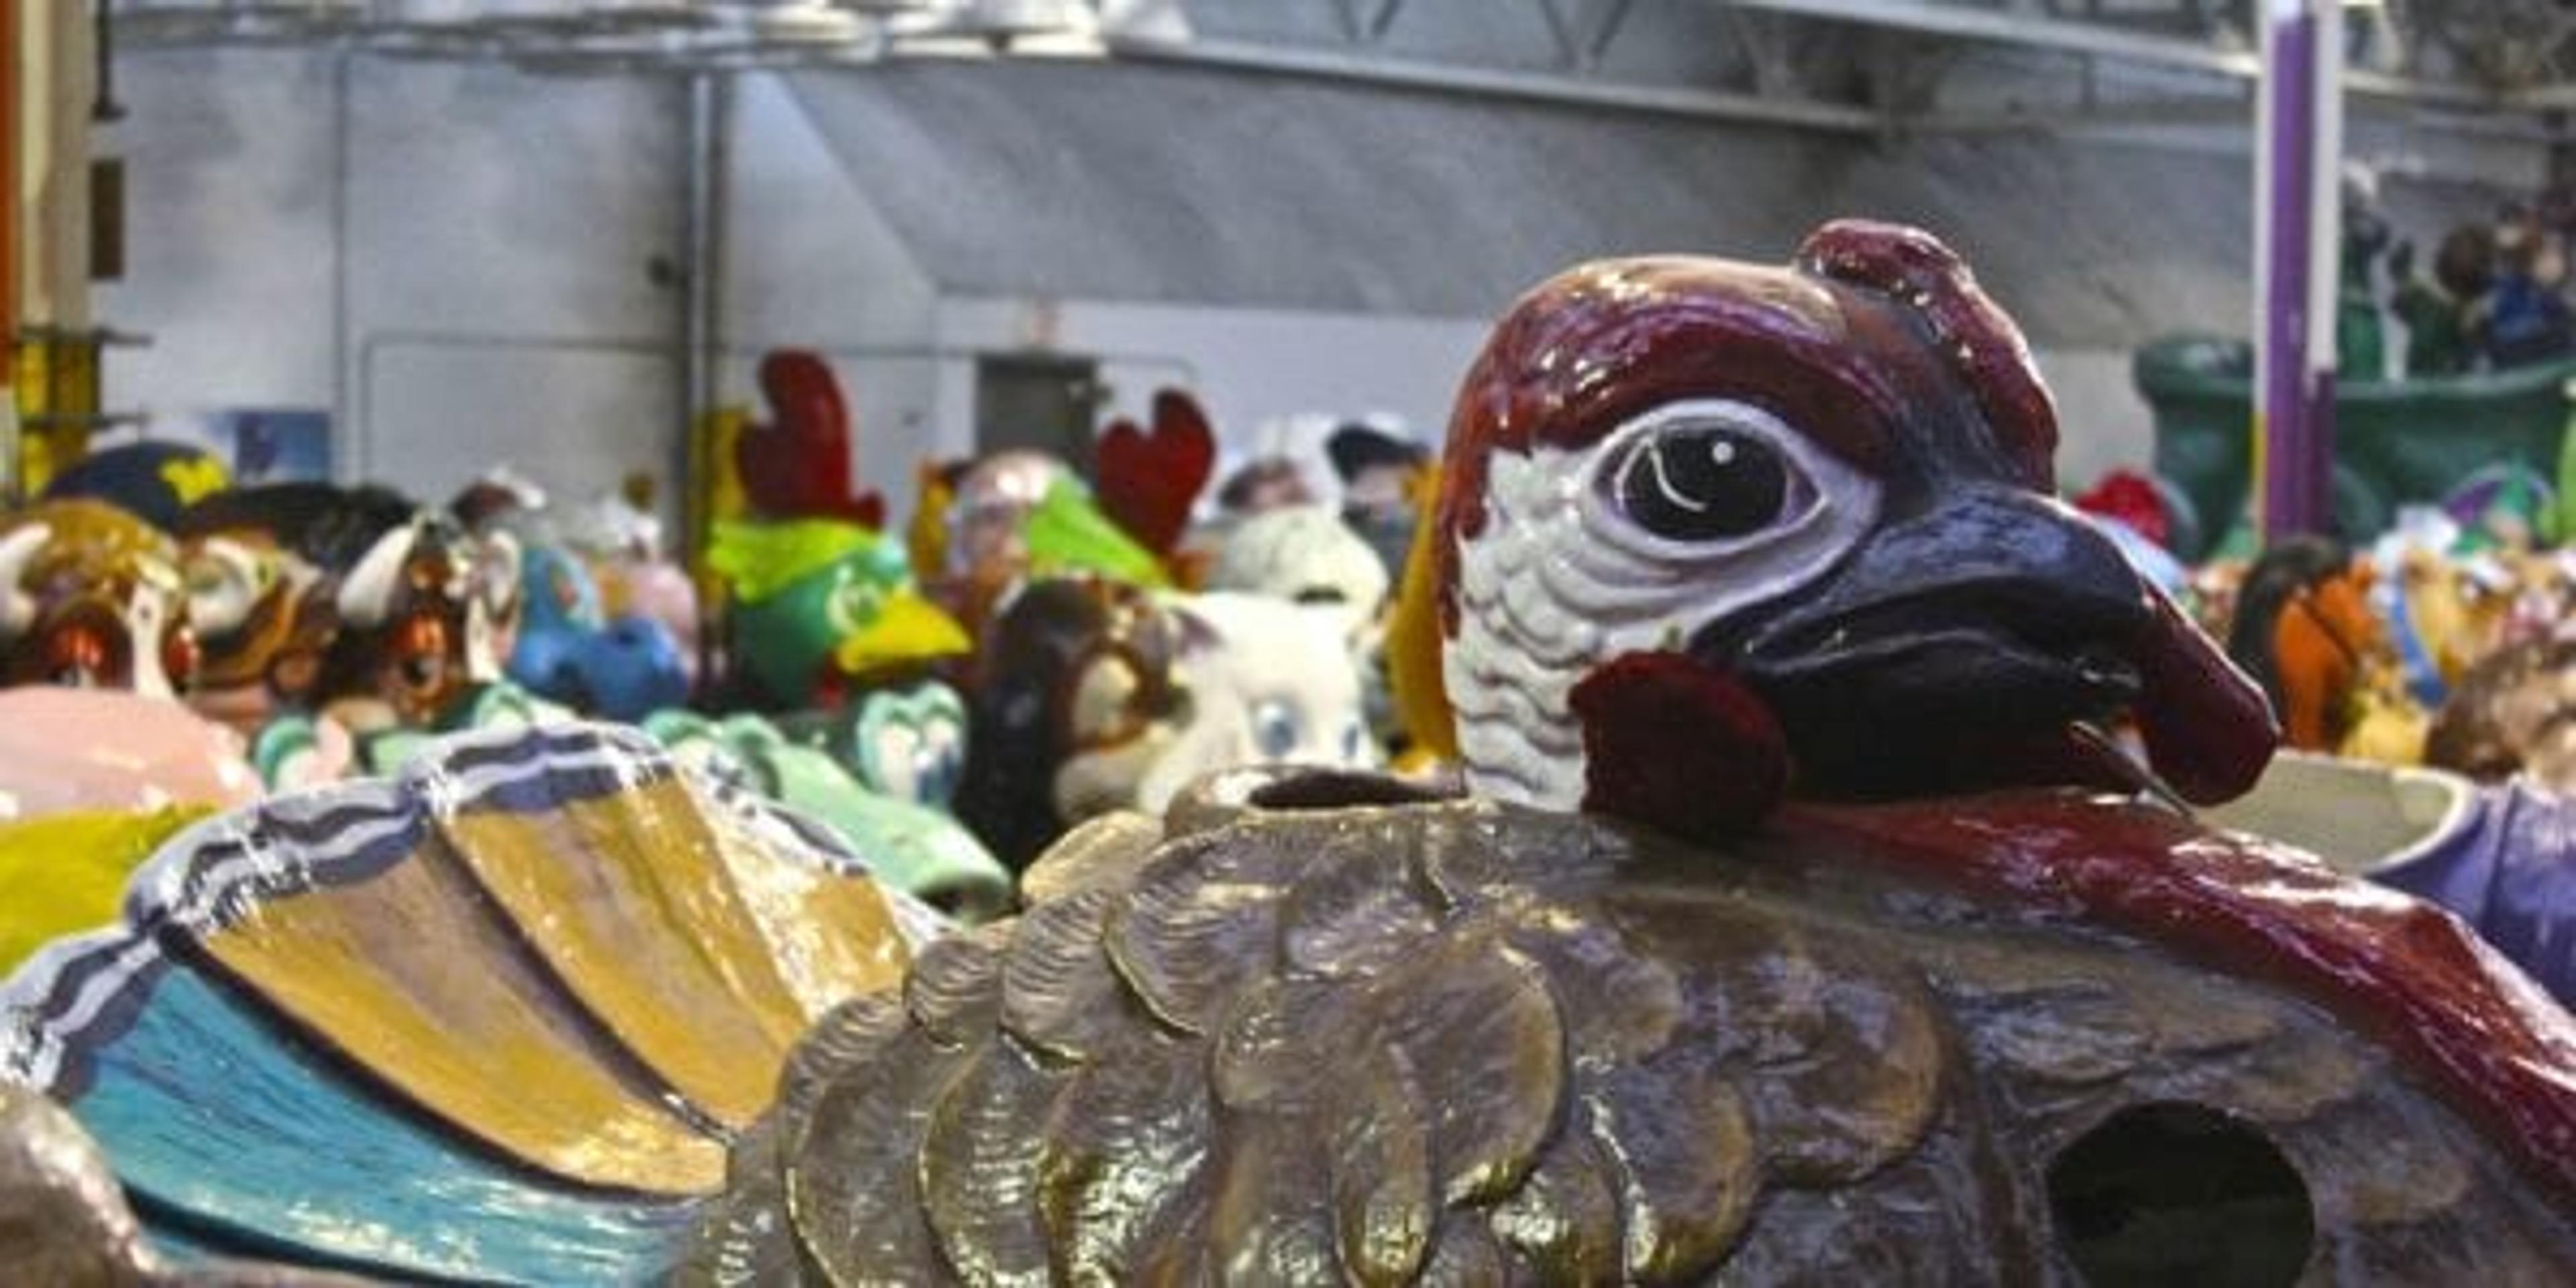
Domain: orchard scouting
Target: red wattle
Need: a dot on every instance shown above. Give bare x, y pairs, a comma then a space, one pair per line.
1679, 747
2208, 728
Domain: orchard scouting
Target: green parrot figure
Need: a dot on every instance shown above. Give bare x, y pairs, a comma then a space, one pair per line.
1069, 536
821, 606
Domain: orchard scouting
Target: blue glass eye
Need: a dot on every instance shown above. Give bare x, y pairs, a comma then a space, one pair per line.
1274, 729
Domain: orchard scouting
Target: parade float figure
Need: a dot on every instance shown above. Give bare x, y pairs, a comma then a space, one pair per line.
2305, 629
829, 633
2513, 714
908, 743
824, 610
2361, 348
1267, 681
494, 1018
2525, 320
1149, 477
153, 481
2150, 519
1015, 517
569, 651
423, 617
1308, 555
622, 543
98, 760
800, 464
91, 782
1075, 700
2439, 311
90, 598
2501, 855
1722, 549
1095, 696
1797, 941
1381, 477
264, 566
988, 511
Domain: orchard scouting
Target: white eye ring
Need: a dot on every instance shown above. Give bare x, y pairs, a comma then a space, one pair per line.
1812, 477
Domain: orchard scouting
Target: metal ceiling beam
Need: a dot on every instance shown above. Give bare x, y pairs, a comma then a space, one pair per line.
2062, 35
2548, 98
619, 39
2002, 27
1576, 91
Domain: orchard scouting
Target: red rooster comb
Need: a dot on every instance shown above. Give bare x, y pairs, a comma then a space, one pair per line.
1149, 481
798, 465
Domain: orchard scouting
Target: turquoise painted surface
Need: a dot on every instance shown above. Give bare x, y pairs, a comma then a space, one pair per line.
237, 1141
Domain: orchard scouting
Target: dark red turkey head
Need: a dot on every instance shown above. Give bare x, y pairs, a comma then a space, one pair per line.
1828, 488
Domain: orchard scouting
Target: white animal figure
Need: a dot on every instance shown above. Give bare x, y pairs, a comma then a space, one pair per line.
1303, 553
1270, 682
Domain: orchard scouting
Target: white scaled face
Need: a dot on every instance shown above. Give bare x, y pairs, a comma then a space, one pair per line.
1678, 518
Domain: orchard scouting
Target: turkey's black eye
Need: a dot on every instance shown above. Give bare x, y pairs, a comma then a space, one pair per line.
1702, 483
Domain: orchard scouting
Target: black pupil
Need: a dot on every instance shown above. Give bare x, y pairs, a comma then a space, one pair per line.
1703, 485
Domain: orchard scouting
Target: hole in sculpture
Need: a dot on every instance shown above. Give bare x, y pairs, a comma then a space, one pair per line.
1338, 789
2170, 1193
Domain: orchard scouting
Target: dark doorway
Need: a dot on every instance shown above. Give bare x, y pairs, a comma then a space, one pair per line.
1042, 401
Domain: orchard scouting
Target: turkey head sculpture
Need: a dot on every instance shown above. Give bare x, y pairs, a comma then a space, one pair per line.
1713, 532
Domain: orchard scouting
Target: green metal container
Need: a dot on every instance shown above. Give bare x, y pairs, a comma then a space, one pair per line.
2396, 442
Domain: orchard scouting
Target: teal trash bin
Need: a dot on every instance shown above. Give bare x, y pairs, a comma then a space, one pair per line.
2397, 442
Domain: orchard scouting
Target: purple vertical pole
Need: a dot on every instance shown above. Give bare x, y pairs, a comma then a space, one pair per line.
2299, 231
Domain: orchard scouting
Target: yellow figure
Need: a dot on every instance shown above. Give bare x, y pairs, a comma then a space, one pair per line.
925, 539
65, 873
1413, 636
193, 479
715, 495
2387, 726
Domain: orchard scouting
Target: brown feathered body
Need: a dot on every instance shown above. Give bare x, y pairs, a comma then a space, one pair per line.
1462, 1042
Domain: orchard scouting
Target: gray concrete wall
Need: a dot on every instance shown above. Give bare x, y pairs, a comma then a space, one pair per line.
453, 259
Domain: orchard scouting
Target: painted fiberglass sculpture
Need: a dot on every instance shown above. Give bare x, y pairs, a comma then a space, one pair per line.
1810, 924
570, 651
90, 598
493, 1017
265, 565
425, 617
95, 643
823, 610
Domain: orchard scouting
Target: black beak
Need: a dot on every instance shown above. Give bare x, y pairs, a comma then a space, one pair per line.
1960, 647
